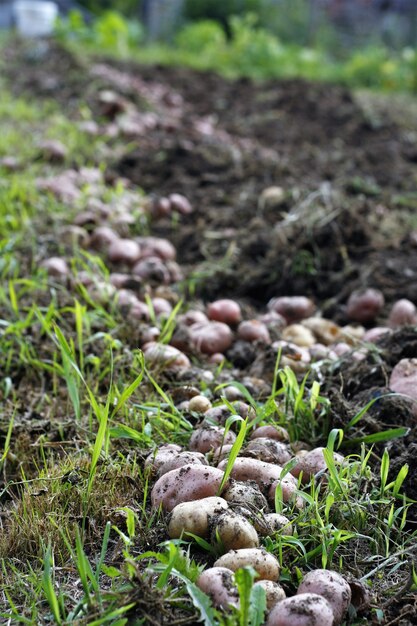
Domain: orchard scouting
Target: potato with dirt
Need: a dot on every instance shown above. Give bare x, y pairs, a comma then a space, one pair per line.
195, 516
263, 562
219, 584
332, 586
307, 609
209, 438
312, 463
190, 482
233, 532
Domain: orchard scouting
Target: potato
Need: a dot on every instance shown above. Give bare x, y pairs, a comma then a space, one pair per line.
191, 482
325, 331
220, 413
267, 450
264, 474
234, 532
273, 523
156, 246
165, 356
161, 455
403, 378
161, 306
292, 308
183, 458
246, 494
123, 251
253, 330
271, 432
273, 592
180, 203
209, 438
289, 491
194, 516
299, 334
332, 586
364, 306
226, 311
153, 270
211, 337
193, 316
102, 237
200, 404
56, 267
403, 312
312, 463
374, 334
221, 453
306, 609
271, 198
264, 563
219, 584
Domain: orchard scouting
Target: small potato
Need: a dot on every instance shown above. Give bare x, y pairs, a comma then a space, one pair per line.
183, 458
292, 308
267, 450
161, 455
264, 563
364, 306
403, 312
153, 270
161, 306
332, 586
180, 203
123, 251
273, 523
306, 609
193, 316
273, 592
56, 267
226, 311
102, 237
325, 331
246, 494
156, 246
222, 453
211, 337
220, 413
271, 432
165, 356
199, 404
374, 334
288, 488
312, 463
219, 584
191, 482
234, 532
194, 516
403, 378
299, 334
209, 438
253, 330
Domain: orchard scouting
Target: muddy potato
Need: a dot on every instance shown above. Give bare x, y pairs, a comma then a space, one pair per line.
160, 456
307, 609
403, 312
183, 458
253, 330
56, 267
364, 306
222, 452
219, 584
268, 450
209, 438
165, 356
264, 474
325, 331
292, 308
194, 516
271, 432
273, 592
272, 523
220, 413
234, 532
191, 482
264, 563
246, 494
299, 334
332, 586
288, 486
123, 251
312, 463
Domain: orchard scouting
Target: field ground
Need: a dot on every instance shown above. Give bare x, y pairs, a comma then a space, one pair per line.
81, 409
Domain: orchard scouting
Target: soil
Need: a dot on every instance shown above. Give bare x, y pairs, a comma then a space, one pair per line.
346, 220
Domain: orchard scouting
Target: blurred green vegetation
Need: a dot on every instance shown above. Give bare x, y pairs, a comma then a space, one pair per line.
248, 49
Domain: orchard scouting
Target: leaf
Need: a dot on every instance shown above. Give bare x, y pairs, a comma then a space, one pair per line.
257, 607
201, 601
385, 435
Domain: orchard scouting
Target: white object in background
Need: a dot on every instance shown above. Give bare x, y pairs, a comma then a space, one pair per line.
35, 18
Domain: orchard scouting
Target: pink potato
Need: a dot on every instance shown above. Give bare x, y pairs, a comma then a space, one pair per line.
289, 490
190, 482
403, 378
102, 237
156, 246
253, 330
156, 459
124, 251
312, 463
209, 438
364, 306
193, 316
263, 562
180, 203
226, 311
152, 269
292, 308
403, 312
211, 337
264, 474
183, 458
332, 586
268, 450
219, 584
271, 432
373, 334
56, 266
306, 609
